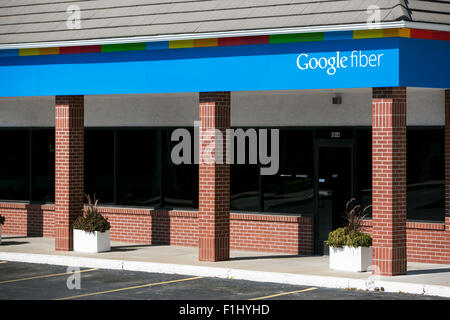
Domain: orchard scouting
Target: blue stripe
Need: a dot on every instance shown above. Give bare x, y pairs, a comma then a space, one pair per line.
339, 35
157, 45
9, 53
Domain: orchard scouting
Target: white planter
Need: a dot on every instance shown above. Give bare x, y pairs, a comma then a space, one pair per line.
91, 242
350, 259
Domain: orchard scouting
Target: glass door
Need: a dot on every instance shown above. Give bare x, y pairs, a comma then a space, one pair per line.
333, 188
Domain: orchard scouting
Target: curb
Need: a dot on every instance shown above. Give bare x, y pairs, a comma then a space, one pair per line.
227, 273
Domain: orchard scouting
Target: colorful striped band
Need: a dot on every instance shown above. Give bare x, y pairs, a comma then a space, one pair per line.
236, 41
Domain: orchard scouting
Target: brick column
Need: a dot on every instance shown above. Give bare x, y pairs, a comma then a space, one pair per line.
447, 160
69, 170
214, 179
389, 180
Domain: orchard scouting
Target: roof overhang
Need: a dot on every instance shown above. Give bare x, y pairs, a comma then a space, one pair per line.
246, 33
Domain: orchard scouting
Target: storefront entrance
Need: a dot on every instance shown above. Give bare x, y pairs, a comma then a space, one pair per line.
333, 188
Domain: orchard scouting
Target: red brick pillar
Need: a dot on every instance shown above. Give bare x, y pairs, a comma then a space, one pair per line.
69, 167
214, 179
447, 160
389, 180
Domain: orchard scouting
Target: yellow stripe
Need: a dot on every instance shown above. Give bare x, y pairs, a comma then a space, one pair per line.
29, 52
46, 51
368, 34
3, 261
402, 32
46, 276
128, 288
284, 293
205, 43
389, 33
178, 44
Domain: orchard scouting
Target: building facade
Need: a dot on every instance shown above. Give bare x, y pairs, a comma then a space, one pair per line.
362, 111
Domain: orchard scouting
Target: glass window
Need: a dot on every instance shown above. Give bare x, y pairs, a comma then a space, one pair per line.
14, 165
426, 174
181, 181
43, 165
363, 166
244, 177
244, 188
291, 190
99, 165
139, 167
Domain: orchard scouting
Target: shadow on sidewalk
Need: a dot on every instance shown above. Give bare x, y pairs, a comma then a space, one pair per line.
129, 247
12, 243
267, 257
6, 237
428, 271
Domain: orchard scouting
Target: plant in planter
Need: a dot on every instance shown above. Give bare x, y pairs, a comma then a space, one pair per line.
91, 230
2, 222
350, 249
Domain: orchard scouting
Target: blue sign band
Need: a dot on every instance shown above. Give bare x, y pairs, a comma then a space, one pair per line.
310, 65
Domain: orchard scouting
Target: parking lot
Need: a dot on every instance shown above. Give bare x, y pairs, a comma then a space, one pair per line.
26, 281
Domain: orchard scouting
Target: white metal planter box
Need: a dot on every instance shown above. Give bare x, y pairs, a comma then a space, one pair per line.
91, 242
350, 259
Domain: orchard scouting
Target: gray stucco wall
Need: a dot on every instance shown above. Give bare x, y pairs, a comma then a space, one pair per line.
301, 108
426, 107
27, 112
279, 108
141, 110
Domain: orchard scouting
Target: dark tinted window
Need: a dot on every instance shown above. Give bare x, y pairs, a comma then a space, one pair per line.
291, 190
244, 173
43, 165
14, 165
363, 166
139, 167
244, 189
180, 180
99, 165
426, 174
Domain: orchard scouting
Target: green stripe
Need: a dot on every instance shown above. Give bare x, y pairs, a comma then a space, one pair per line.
316, 36
283, 38
123, 47
298, 37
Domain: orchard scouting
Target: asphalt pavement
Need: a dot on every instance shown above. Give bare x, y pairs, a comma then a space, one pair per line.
25, 281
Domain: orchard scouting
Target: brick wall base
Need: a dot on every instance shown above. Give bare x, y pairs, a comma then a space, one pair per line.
426, 242
250, 231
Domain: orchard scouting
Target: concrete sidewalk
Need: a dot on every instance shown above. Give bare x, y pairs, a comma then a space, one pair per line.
428, 279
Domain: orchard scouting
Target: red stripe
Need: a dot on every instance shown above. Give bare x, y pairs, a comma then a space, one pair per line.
240, 41
441, 35
90, 49
233, 41
421, 34
257, 40
69, 50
